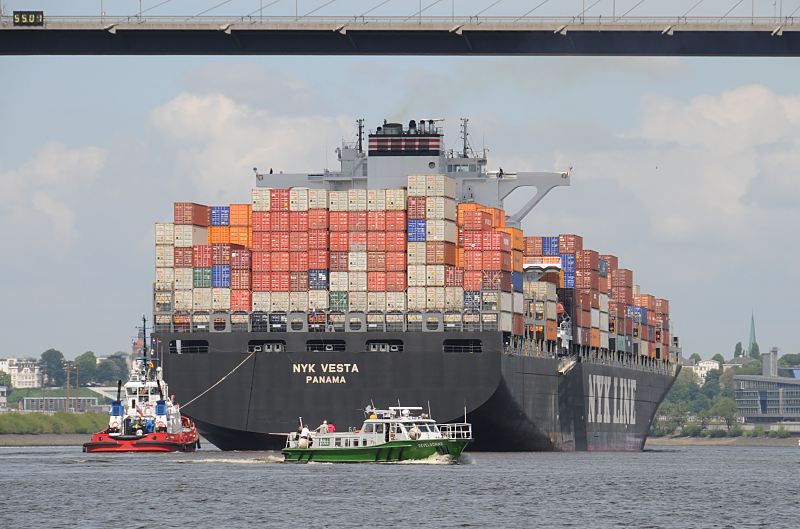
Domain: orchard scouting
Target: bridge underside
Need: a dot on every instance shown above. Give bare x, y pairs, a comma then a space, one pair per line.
141, 41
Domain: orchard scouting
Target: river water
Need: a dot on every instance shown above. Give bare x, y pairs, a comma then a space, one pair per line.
666, 487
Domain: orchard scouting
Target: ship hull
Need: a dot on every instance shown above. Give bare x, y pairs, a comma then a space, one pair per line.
514, 402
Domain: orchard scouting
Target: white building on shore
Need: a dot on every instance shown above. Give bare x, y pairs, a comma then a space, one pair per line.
25, 372
702, 368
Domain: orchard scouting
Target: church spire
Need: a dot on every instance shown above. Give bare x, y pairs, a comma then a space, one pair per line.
752, 341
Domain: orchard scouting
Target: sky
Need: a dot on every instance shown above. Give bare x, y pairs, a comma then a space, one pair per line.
684, 168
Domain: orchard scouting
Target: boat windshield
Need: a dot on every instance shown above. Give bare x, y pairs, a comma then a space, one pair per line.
421, 426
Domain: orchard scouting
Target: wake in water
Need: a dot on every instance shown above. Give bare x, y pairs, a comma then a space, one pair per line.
435, 459
239, 461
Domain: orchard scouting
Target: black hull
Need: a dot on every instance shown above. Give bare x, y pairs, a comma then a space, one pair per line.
515, 403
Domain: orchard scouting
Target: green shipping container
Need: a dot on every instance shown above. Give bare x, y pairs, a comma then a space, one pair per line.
201, 278
337, 301
620, 343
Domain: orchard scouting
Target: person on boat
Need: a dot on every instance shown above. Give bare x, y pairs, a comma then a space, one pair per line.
323, 428
331, 428
305, 433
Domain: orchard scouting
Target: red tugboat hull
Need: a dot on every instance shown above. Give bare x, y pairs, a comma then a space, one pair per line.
187, 441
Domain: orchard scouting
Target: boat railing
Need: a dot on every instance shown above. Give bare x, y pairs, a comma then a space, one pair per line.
462, 430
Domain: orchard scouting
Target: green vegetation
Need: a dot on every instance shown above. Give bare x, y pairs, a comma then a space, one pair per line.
21, 393
791, 360
5, 380
52, 366
737, 351
40, 423
755, 352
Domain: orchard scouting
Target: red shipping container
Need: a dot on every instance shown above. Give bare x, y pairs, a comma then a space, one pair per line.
339, 261
262, 221
357, 241
587, 279
298, 281
496, 260
240, 259
569, 243
280, 262
298, 221
262, 241
240, 279
622, 294
416, 208
339, 241
473, 260
261, 261
440, 253
202, 256
496, 280
533, 247
376, 241
280, 221
298, 241
592, 296
477, 220
317, 219
587, 260
396, 241
376, 261
460, 236
583, 318
496, 240
396, 221
396, 261
518, 328
279, 281
453, 277
645, 300
183, 257
622, 277
612, 260
191, 213
357, 220
376, 281
221, 253
376, 220
396, 281
318, 239
338, 221
279, 199
616, 309
318, 260
662, 305
261, 281
473, 280
473, 240
604, 284
298, 261
241, 301
281, 241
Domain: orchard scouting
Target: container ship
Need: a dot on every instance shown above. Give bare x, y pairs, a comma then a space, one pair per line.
400, 278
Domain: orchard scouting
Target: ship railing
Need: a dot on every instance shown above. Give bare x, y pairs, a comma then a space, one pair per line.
460, 430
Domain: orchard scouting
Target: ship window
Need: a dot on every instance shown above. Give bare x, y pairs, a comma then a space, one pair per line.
431, 165
337, 442
369, 428
355, 324
265, 346
432, 323
297, 324
462, 346
188, 346
325, 346
220, 324
382, 346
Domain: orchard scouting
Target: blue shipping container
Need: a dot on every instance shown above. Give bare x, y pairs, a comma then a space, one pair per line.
550, 246
569, 280
472, 300
221, 276
416, 230
516, 281
638, 314
220, 216
568, 262
318, 279
603, 268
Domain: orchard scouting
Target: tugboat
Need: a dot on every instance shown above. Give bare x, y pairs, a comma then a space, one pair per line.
145, 421
400, 433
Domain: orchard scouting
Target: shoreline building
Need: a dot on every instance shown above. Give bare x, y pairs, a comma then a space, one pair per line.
702, 368
768, 398
25, 372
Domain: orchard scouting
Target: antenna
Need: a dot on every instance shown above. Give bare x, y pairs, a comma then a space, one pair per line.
465, 135
360, 122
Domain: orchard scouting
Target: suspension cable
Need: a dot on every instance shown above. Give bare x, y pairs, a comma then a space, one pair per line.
218, 382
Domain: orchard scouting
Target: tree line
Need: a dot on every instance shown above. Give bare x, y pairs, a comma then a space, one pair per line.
88, 370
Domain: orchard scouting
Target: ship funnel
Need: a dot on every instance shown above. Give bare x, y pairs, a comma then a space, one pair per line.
412, 127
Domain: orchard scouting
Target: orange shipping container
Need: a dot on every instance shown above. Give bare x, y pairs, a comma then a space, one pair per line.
396, 221
376, 261
298, 261
473, 260
240, 279
281, 241
279, 199
496, 260
241, 301
318, 239
339, 241
318, 260
462, 209
357, 241
376, 240
280, 262
298, 221
317, 219
460, 258
241, 214
396, 261
496, 240
473, 240
595, 338
473, 280
280, 221
440, 253
551, 330
261, 281
395, 281
517, 261
261, 261
262, 241
241, 235
476, 220
191, 213
396, 241
219, 235
376, 281
262, 221
498, 216
517, 239
338, 221
376, 220
298, 241
357, 220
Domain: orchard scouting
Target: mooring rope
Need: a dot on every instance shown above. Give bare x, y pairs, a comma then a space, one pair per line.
218, 382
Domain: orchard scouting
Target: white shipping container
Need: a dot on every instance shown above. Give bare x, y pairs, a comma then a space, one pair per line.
165, 233
298, 301
454, 298
416, 298
604, 339
317, 300
376, 301
604, 303
595, 318
441, 230
338, 281
415, 253
183, 300
357, 261
636, 290
396, 301
434, 299
517, 302
506, 322
187, 236
183, 278
506, 302
261, 301
279, 302
260, 198
495, 300
434, 275
201, 299
221, 299
440, 208
317, 199
551, 311
604, 321
417, 185
376, 199
540, 290
395, 199
357, 200
298, 199
165, 279
357, 301
165, 256
439, 185
337, 200
417, 275
357, 282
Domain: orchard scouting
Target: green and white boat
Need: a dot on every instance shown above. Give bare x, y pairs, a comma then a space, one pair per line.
400, 433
